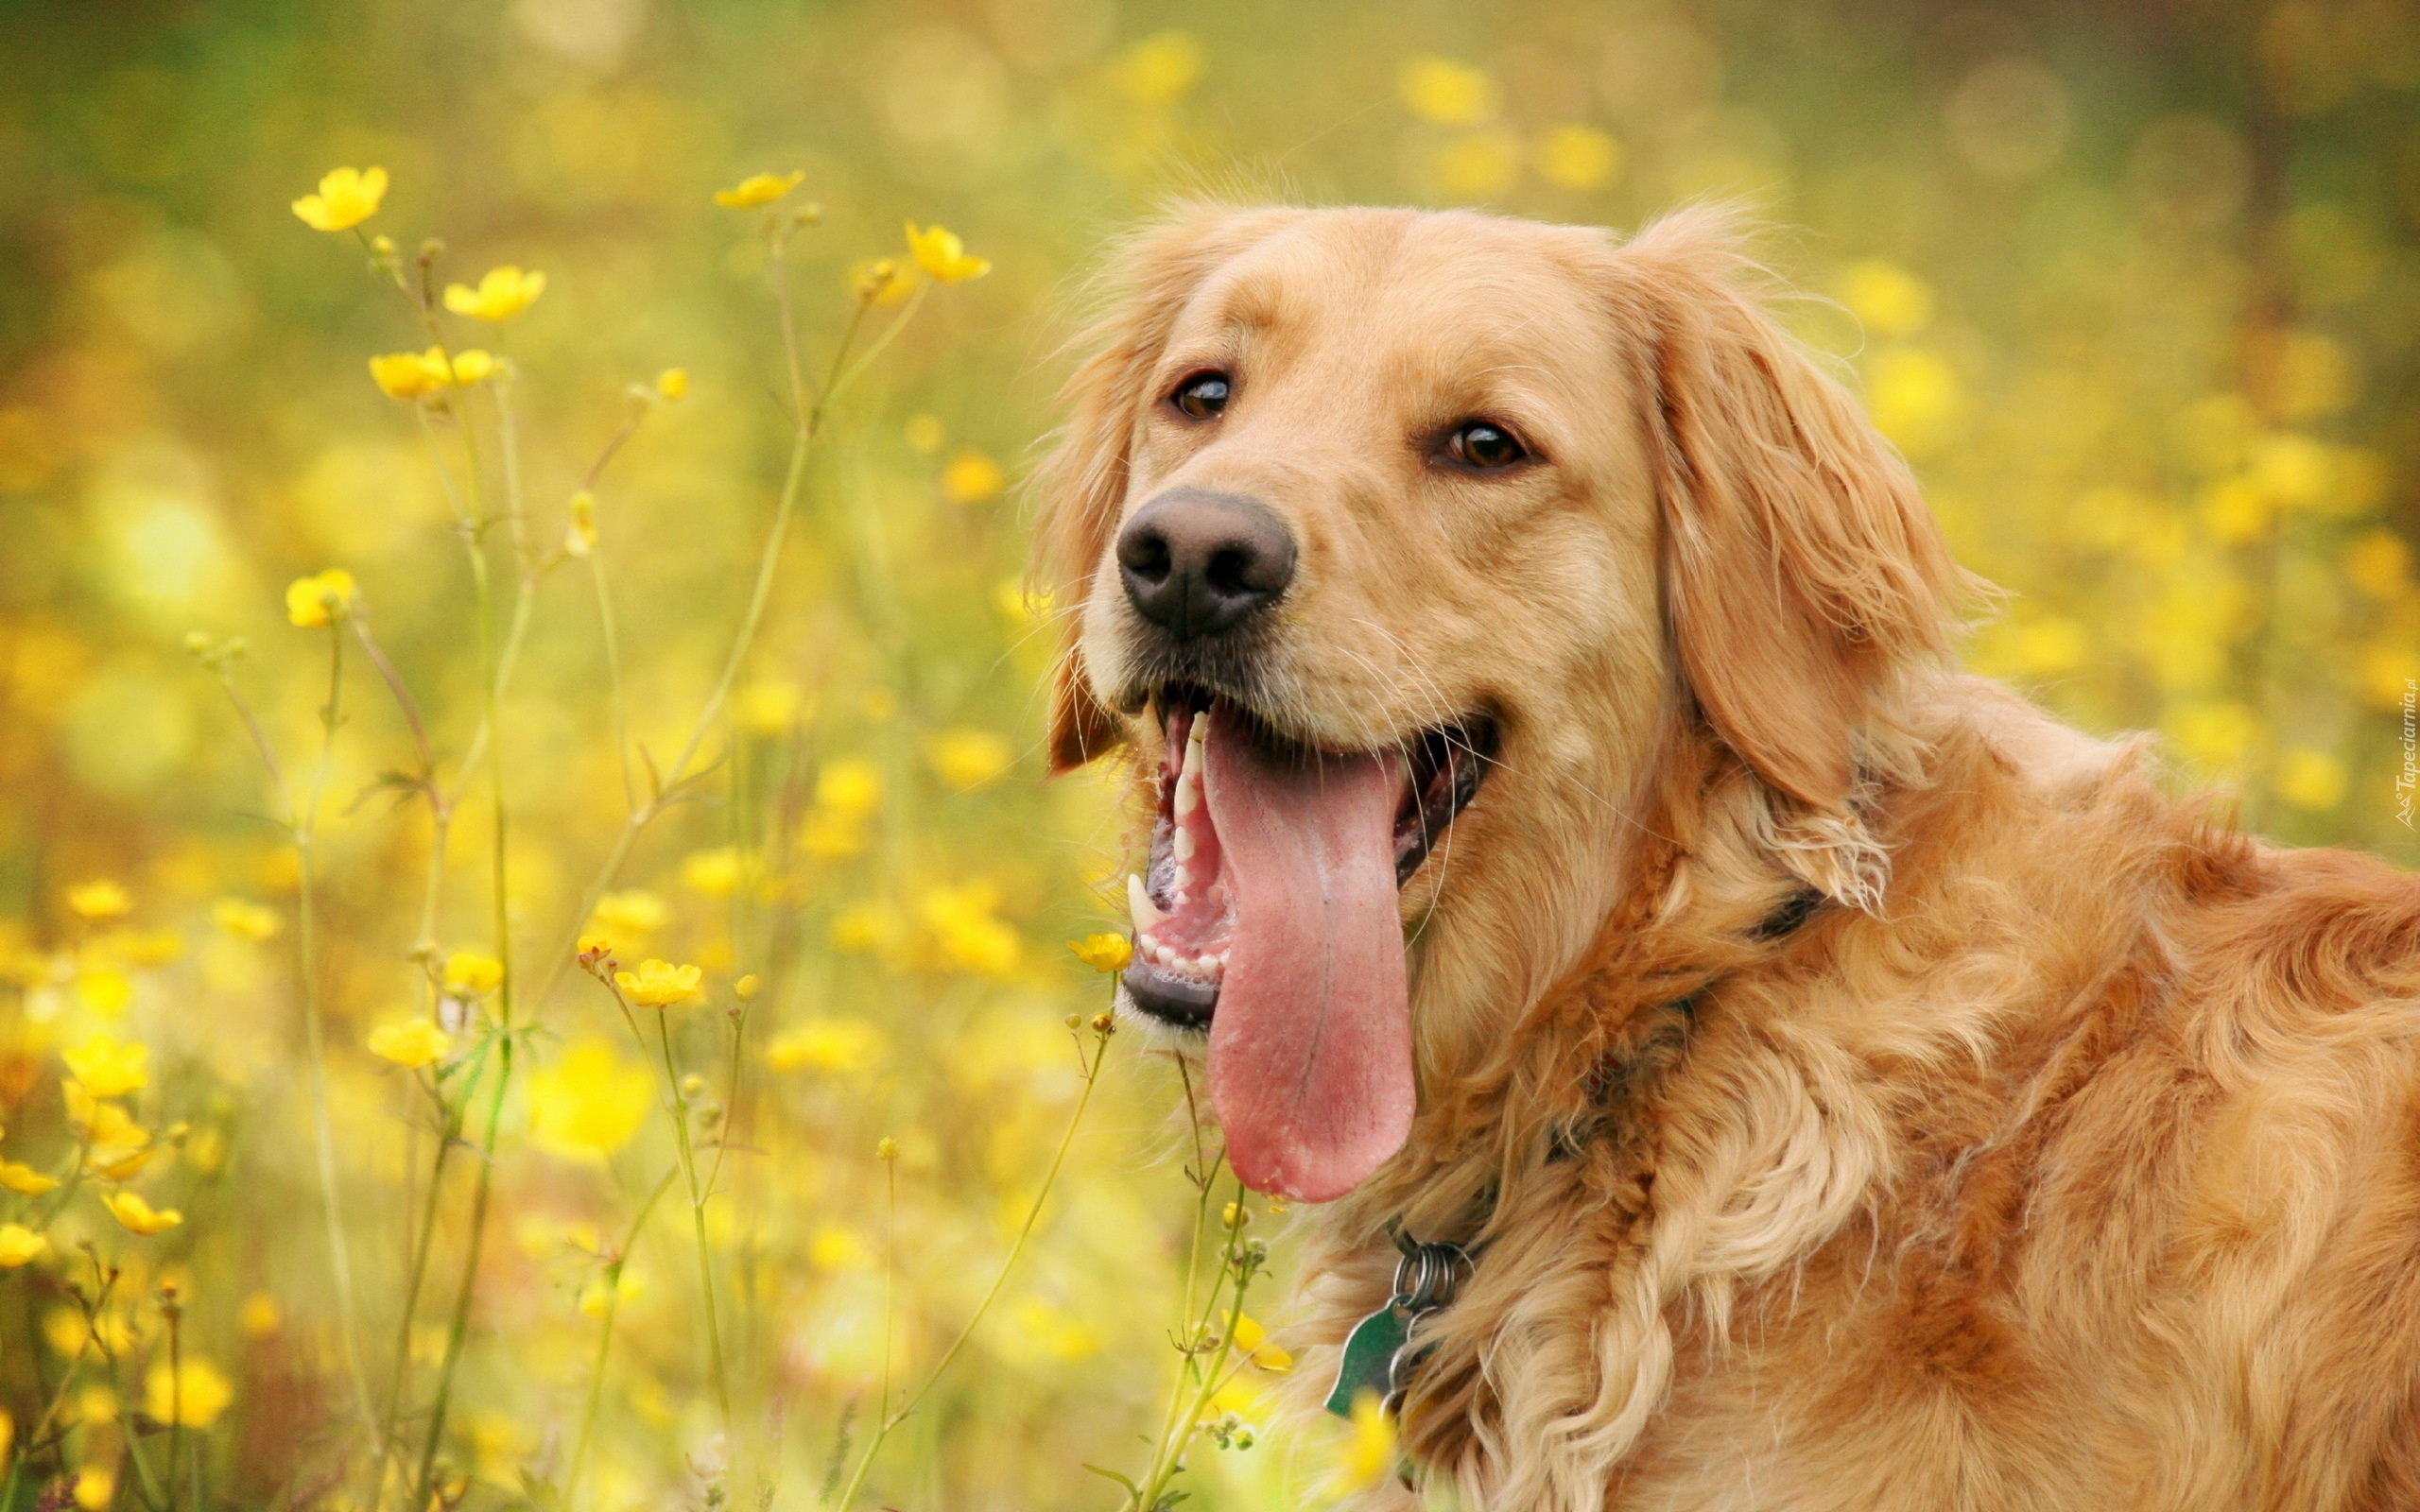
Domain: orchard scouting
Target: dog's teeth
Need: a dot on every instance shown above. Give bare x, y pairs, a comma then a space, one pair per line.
1183, 879
1193, 755
1182, 898
1146, 914
1189, 796
1183, 844
1196, 728
1217, 962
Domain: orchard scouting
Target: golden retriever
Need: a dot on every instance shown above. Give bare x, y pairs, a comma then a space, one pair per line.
1858, 1089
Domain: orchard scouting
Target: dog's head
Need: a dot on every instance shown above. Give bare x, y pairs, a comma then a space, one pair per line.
1399, 548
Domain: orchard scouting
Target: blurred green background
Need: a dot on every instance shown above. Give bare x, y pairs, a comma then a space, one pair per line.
2137, 286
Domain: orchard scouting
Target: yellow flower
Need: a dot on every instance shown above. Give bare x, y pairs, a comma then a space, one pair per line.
99, 899
1579, 157
757, 189
193, 1395
839, 1045
20, 1245
943, 256
672, 385
347, 197
717, 874
886, 1150
969, 759
746, 989
630, 914
972, 478
849, 784
1886, 297
1105, 953
411, 374
964, 926
1158, 70
1368, 1457
405, 374
626, 1287
248, 922
410, 1044
881, 282
501, 294
1251, 1341
660, 984
580, 524
590, 1103
2312, 780
1020, 605
95, 1486
312, 602
768, 708
109, 1069
261, 1315
1447, 93
138, 1216
25, 1179
104, 992
835, 1247
469, 974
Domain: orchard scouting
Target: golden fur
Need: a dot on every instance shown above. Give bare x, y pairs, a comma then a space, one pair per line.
2069, 1158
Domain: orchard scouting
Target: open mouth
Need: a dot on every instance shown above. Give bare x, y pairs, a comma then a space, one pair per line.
1267, 916
1183, 903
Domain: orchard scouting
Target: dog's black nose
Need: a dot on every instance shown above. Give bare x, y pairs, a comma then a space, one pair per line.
1197, 563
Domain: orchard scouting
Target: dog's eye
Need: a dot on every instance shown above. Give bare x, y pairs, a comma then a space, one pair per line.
1480, 443
1202, 395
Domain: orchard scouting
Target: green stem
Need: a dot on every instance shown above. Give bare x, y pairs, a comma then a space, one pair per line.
305, 849
27, 1442
696, 1216
890, 1420
605, 1339
460, 1328
423, 1240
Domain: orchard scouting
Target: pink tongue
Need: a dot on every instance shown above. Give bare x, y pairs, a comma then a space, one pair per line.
1311, 1048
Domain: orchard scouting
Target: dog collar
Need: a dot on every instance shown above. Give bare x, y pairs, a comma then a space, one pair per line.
1380, 1353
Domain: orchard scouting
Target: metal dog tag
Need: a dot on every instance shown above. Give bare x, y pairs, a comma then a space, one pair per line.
1368, 1362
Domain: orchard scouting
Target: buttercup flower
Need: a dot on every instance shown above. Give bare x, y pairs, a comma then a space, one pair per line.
580, 524
248, 921
1105, 953
98, 901
590, 1103
347, 197
109, 1069
412, 374
881, 280
312, 602
404, 375
672, 385
20, 1245
501, 294
1369, 1457
138, 1216
25, 1179
943, 256
411, 1043
757, 189
969, 759
1251, 1342
972, 478
471, 974
630, 914
192, 1395
660, 983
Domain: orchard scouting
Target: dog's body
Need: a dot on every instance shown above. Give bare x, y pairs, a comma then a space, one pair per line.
1862, 1091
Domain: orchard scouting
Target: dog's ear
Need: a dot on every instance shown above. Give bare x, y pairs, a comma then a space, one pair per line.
1081, 487
1802, 572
